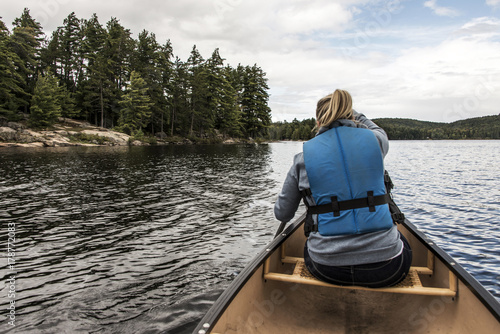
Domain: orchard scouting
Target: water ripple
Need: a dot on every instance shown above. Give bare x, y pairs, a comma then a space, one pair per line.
451, 191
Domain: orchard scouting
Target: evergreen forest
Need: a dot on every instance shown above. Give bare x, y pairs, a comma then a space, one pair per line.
99, 73
295, 130
486, 127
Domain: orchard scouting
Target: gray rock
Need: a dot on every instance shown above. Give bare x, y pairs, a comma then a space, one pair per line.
111, 136
7, 134
15, 126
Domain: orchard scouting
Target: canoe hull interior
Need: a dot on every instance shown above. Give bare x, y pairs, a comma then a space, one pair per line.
269, 306
276, 307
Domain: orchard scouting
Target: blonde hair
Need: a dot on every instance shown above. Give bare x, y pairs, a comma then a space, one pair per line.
332, 107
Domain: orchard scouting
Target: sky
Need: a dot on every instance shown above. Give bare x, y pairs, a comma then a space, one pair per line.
431, 60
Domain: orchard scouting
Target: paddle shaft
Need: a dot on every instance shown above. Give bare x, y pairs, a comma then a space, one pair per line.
280, 229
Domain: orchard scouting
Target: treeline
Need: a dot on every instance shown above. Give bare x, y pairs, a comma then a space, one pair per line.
296, 130
487, 127
101, 74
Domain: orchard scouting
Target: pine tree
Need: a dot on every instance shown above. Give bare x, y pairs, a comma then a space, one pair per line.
136, 106
27, 39
95, 86
214, 89
197, 91
256, 112
180, 106
71, 37
230, 113
45, 103
11, 82
51, 56
222, 97
166, 67
118, 51
148, 64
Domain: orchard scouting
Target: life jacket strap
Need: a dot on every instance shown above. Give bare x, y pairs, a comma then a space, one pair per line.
309, 225
336, 206
306, 192
388, 182
397, 216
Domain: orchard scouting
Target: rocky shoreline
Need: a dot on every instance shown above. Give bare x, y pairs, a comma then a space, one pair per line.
69, 132
65, 133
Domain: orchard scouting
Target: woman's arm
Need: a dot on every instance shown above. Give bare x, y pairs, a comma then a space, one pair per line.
289, 197
382, 138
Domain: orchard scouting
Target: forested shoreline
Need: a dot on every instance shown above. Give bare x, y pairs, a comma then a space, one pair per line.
487, 127
100, 74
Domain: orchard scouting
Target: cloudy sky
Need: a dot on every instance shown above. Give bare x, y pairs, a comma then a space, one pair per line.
434, 60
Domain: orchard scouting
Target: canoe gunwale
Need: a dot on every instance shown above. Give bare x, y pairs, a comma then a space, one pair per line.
210, 319
486, 298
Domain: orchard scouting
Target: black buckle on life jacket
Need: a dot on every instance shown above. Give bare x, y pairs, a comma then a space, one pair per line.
335, 206
388, 182
306, 192
309, 225
371, 201
398, 217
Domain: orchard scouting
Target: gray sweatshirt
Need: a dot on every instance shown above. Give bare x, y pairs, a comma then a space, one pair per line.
339, 250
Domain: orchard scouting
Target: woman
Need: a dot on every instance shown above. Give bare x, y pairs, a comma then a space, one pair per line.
340, 176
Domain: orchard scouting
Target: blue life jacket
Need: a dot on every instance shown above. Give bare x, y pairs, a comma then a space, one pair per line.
345, 169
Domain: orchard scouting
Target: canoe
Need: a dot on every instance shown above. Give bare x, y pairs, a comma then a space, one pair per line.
276, 294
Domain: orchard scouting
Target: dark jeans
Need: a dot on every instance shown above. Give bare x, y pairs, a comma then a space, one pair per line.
373, 275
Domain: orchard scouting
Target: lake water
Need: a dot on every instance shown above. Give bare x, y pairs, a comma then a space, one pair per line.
144, 239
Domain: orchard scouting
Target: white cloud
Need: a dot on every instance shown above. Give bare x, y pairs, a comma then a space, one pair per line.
441, 11
453, 80
305, 17
481, 27
276, 25
493, 3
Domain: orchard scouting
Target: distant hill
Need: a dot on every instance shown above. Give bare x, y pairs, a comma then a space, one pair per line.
487, 127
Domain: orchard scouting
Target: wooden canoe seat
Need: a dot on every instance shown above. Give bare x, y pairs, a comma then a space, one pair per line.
411, 284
